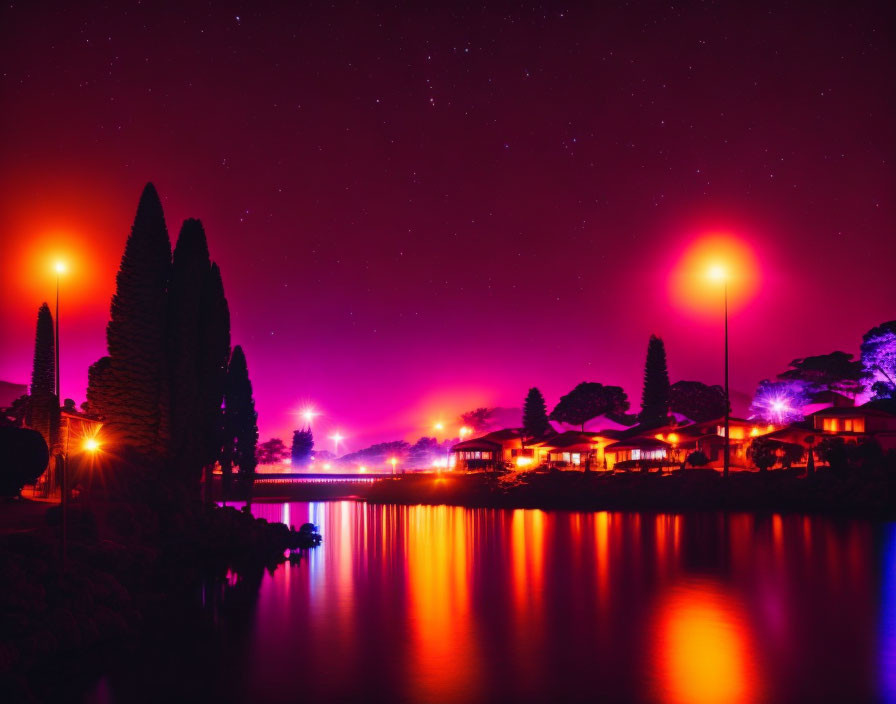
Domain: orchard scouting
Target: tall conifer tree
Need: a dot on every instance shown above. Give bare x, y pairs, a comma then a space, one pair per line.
190, 268
535, 415
43, 371
240, 418
214, 345
655, 397
302, 446
135, 385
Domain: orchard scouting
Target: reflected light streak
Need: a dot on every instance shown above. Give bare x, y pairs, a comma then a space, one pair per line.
704, 649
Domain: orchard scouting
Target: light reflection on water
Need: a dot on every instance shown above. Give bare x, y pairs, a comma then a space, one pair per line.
442, 604
446, 604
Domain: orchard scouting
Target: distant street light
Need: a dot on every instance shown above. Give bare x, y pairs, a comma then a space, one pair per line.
336, 438
393, 462
463, 432
308, 414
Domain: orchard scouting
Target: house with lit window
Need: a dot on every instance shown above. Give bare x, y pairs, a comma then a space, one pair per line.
875, 420
491, 451
575, 449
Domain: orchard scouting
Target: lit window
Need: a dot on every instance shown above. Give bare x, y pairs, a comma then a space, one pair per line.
576, 458
636, 454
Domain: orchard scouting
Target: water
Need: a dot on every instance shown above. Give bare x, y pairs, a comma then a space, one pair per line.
442, 604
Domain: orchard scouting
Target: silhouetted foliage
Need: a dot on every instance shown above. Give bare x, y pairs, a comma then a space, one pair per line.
240, 418
302, 446
16, 413
189, 267
589, 400
477, 419
655, 397
214, 341
697, 401
98, 386
698, 459
134, 384
43, 371
272, 452
835, 371
790, 453
535, 416
879, 359
379, 454
25, 457
763, 453
425, 452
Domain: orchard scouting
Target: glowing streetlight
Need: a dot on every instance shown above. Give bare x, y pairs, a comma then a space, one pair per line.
308, 414
393, 462
463, 432
438, 427
336, 438
91, 445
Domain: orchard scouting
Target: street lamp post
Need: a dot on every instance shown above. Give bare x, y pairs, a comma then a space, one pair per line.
719, 273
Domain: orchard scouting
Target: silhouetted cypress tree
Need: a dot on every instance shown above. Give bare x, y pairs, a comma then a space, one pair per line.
302, 445
655, 397
240, 418
135, 386
535, 415
43, 372
42, 412
214, 346
189, 270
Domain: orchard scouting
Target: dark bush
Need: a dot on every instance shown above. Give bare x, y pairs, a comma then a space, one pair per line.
698, 459
23, 458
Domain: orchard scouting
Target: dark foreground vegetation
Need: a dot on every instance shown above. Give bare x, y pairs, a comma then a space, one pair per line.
137, 561
868, 493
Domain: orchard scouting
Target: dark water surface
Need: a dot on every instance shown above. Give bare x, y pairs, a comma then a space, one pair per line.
441, 604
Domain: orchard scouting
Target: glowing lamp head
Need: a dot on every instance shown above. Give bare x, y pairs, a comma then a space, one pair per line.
60, 267
308, 414
464, 431
718, 273
337, 438
779, 406
439, 427
91, 445
393, 462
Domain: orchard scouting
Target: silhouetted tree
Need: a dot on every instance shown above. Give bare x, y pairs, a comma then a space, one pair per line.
827, 372
272, 452
302, 445
189, 267
879, 359
43, 371
698, 459
16, 413
589, 400
134, 386
214, 340
655, 397
25, 457
240, 418
98, 384
763, 453
535, 415
424, 452
42, 411
697, 401
478, 419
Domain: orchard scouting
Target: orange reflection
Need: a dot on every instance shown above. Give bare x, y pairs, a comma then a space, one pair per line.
704, 649
696, 280
444, 658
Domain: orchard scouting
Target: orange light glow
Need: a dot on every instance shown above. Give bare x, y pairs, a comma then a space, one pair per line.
91, 445
696, 280
704, 649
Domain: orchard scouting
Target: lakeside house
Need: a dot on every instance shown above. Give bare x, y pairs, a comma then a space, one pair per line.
668, 446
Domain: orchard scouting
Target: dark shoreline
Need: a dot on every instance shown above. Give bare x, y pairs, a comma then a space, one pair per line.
856, 494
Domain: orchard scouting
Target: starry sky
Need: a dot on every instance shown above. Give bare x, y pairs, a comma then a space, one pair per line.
424, 208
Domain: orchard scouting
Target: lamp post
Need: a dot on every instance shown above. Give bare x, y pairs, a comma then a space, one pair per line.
60, 269
336, 438
720, 274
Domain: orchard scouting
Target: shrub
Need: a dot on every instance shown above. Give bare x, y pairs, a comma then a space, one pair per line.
697, 459
23, 458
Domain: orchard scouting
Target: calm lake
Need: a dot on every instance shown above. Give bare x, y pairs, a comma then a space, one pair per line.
443, 604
